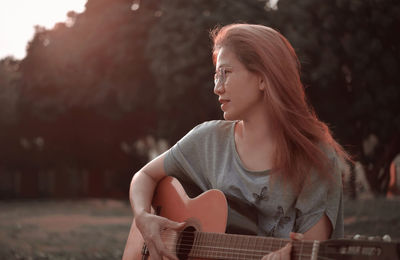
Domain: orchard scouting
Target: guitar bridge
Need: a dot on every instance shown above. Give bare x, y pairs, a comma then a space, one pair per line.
145, 252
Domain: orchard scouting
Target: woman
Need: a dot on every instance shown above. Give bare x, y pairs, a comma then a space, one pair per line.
271, 156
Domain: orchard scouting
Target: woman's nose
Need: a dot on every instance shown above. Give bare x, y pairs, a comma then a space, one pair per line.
219, 88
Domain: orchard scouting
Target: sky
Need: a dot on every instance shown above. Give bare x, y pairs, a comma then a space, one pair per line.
18, 18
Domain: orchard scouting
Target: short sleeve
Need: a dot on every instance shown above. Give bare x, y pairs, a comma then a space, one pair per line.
318, 197
185, 160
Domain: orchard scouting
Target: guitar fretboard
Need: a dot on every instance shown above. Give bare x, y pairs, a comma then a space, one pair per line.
231, 246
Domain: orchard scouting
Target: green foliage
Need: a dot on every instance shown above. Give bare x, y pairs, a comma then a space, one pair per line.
97, 62
9, 90
350, 54
84, 86
179, 48
111, 75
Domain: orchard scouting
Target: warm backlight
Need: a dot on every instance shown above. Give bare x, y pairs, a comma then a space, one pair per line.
18, 18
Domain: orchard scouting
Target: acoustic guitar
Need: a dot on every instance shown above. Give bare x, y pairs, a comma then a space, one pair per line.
203, 236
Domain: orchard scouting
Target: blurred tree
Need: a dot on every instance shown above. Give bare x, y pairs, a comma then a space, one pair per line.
10, 96
85, 86
83, 78
92, 86
9, 90
179, 48
93, 61
350, 51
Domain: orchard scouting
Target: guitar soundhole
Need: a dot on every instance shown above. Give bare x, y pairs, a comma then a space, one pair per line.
185, 243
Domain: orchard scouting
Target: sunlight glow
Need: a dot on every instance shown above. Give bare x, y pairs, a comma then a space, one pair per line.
272, 5
135, 5
18, 18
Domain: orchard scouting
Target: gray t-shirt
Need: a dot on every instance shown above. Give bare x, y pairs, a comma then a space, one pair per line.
206, 158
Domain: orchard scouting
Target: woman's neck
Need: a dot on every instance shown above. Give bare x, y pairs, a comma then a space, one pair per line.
255, 144
256, 130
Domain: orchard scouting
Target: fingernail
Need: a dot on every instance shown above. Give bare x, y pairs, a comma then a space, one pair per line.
298, 236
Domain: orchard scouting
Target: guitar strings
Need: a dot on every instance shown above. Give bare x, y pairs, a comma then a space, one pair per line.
189, 242
304, 245
223, 250
192, 244
210, 252
275, 242
200, 247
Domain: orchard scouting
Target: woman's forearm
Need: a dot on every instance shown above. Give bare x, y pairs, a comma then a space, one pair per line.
143, 185
141, 193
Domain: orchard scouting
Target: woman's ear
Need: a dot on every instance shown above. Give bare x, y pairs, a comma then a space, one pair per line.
262, 85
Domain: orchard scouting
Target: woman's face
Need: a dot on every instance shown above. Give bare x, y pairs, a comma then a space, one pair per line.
239, 90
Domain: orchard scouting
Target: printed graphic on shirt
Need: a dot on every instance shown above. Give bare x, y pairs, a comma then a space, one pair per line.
281, 221
262, 196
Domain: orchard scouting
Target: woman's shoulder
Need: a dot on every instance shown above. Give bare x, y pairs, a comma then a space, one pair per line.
330, 152
336, 163
214, 127
206, 135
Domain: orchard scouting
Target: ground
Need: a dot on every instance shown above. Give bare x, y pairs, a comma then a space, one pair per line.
97, 229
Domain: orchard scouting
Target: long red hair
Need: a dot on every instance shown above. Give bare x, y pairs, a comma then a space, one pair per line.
301, 137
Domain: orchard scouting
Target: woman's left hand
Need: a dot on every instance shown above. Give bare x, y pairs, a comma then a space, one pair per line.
284, 252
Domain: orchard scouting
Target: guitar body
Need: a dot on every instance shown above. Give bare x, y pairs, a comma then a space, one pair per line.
203, 235
208, 213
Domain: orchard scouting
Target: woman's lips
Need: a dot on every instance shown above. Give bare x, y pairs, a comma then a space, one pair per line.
223, 102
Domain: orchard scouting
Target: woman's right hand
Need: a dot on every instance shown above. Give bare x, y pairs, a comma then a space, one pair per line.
150, 226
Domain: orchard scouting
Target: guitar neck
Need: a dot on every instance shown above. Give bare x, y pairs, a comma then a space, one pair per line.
231, 246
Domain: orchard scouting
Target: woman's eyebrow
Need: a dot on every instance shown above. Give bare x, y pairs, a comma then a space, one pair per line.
224, 65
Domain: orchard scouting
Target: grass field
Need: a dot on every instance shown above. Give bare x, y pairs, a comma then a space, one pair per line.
97, 229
